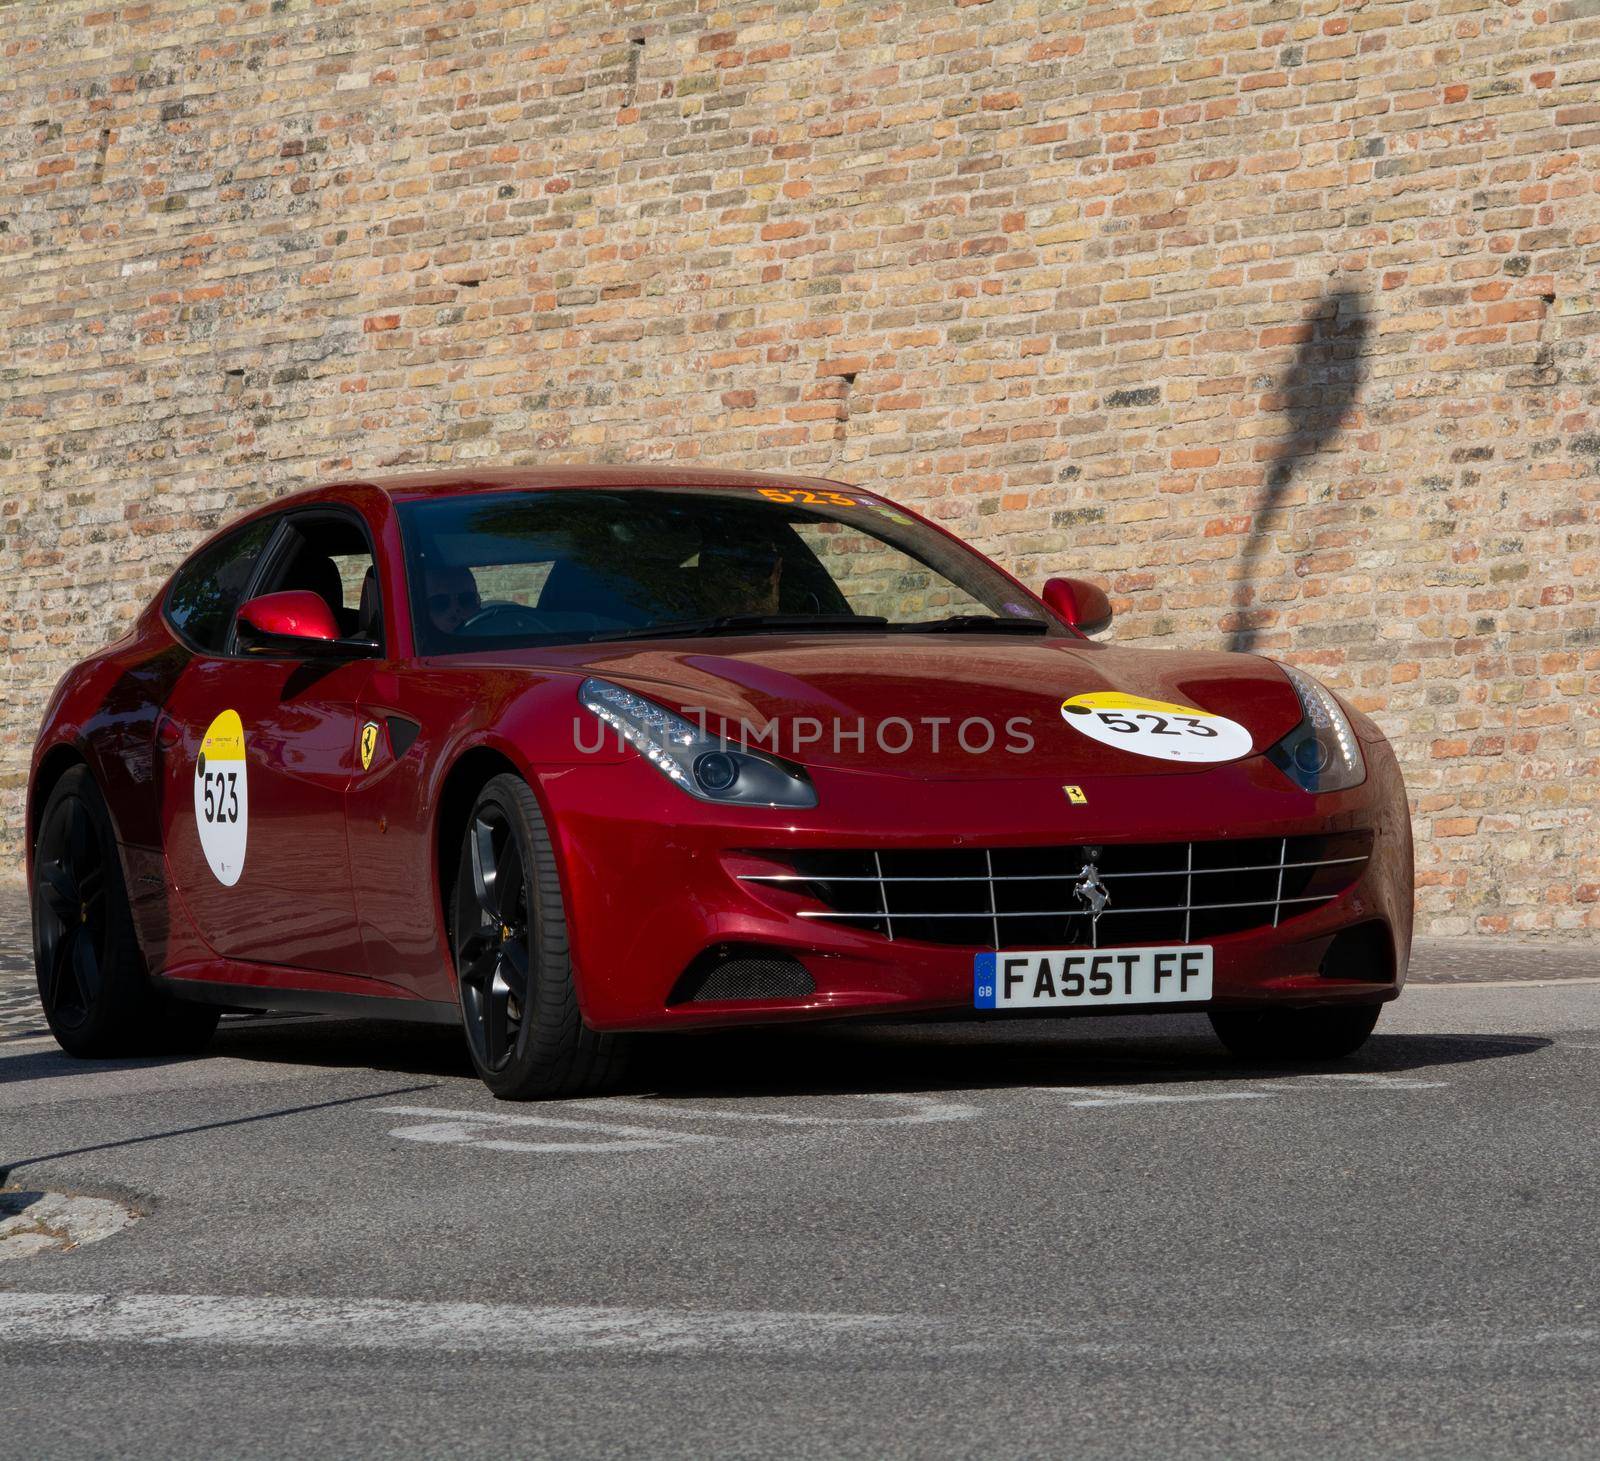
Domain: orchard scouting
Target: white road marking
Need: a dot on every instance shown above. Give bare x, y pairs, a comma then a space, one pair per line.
395, 1324
446, 1127
475, 1128
924, 1109
1360, 1080
1125, 1096
1503, 983
1354, 1080
490, 1130
307, 1323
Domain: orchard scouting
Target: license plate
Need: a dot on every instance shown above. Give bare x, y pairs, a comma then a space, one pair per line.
1080, 978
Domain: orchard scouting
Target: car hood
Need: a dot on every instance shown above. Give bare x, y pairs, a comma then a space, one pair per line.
809, 695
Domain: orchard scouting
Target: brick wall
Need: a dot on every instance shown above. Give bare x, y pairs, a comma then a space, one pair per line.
1279, 318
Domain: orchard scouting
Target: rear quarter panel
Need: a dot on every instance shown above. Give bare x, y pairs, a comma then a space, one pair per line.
103, 715
104, 711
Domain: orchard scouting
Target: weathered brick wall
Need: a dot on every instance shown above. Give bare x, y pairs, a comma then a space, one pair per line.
1280, 318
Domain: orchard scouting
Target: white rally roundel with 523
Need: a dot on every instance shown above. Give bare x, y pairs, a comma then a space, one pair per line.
222, 797
1155, 728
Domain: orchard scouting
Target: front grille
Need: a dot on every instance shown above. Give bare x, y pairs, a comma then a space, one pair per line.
1026, 897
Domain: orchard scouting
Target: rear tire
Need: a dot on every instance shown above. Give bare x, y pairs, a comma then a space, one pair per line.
93, 984
508, 934
1295, 1036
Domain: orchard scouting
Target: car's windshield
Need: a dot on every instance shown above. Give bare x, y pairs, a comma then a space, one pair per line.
511, 569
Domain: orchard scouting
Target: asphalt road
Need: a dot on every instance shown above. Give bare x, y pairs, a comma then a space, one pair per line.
1095, 1238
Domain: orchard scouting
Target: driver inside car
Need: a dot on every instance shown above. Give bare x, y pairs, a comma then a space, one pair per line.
453, 598
741, 577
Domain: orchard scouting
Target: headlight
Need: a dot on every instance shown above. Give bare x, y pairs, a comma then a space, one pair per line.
1321, 753
704, 765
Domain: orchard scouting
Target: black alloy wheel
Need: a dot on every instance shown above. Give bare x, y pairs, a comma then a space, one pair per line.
508, 933
93, 984
69, 915
493, 959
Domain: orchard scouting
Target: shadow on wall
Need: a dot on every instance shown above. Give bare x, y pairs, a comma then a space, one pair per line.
1318, 392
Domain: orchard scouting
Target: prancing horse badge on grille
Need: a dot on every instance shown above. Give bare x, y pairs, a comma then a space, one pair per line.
1092, 893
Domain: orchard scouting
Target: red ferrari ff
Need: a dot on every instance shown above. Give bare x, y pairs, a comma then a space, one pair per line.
566, 754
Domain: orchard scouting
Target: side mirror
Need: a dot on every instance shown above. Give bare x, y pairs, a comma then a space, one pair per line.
296, 624
1079, 604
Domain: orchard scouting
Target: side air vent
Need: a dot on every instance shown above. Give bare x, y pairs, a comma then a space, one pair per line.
402, 733
1364, 952
729, 972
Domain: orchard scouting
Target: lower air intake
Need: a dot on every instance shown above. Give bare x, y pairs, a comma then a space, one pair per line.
1364, 952
743, 974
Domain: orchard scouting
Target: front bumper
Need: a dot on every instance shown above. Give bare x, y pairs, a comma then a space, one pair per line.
651, 882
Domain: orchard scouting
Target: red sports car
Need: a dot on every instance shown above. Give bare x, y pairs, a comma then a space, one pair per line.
567, 754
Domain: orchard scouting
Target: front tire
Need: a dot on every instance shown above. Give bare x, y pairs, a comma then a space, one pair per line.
508, 933
93, 985
1295, 1036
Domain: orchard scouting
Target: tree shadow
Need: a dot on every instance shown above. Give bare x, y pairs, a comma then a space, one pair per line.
1318, 393
8, 1166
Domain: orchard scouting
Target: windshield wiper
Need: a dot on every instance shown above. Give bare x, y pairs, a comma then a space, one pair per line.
975, 624
745, 624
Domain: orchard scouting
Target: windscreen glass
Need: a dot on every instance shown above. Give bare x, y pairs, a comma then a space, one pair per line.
498, 570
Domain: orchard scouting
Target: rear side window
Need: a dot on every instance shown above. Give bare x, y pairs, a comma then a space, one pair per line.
207, 589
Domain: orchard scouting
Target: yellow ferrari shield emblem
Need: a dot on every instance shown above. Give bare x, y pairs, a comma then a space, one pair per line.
369, 743
1075, 795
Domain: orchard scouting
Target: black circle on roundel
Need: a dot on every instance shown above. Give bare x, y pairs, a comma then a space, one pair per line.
200, 765
1076, 709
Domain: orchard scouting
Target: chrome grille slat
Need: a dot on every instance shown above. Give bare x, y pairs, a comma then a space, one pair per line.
994, 911
983, 913
1188, 895
960, 895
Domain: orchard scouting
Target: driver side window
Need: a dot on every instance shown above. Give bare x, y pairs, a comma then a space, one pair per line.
329, 554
